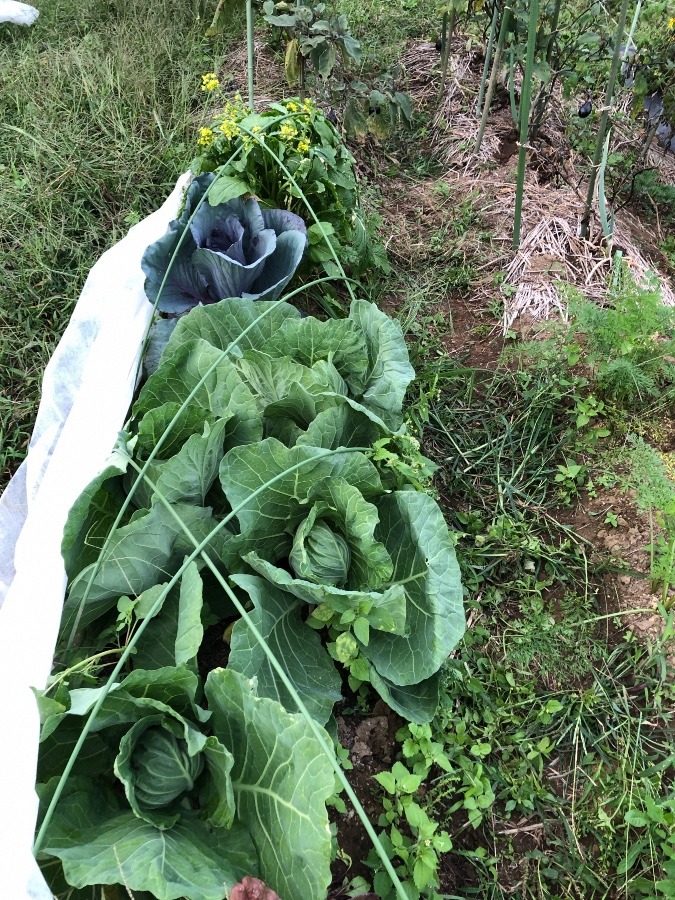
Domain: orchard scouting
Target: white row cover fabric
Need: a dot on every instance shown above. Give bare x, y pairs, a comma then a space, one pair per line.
17, 13
87, 390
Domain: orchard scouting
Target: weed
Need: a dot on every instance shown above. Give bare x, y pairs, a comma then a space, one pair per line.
653, 194
581, 767
413, 837
630, 343
646, 475
499, 437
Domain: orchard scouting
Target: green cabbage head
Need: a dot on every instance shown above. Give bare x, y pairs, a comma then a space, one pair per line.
320, 554
159, 762
164, 768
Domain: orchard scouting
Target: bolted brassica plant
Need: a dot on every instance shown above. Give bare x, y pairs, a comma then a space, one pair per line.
319, 170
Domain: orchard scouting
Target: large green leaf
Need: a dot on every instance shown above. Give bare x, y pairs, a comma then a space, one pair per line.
304, 407
181, 370
188, 475
221, 395
92, 515
342, 426
272, 378
309, 416
267, 522
389, 370
174, 637
152, 428
414, 532
222, 323
227, 188
415, 702
277, 615
338, 341
139, 555
189, 630
281, 781
191, 860
385, 610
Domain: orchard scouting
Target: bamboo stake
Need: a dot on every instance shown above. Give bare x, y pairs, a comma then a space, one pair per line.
445, 48
249, 51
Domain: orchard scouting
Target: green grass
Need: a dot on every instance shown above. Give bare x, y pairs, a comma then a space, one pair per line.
566, 792
384, 28
97, 117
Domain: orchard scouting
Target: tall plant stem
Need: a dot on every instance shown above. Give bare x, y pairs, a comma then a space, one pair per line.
547, 90
249, 51
445, 49
488, 57
501, 40
525, 99
606, 219
633, 26
604, 119
515, 115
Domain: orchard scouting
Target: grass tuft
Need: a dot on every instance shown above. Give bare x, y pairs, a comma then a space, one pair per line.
97, 116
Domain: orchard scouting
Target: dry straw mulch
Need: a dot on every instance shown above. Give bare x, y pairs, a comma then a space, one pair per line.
551, 256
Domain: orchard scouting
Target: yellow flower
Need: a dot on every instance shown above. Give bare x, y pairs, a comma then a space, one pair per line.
210, 81
287, 132
303, 146
292, 106
205, 137
307, 105
229, 128
671, 23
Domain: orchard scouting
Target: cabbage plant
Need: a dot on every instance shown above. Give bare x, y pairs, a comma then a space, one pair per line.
381, 574
373, 561
320, 383
181, 801
233, 249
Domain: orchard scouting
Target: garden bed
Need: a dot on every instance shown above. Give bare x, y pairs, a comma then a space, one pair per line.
269, 558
